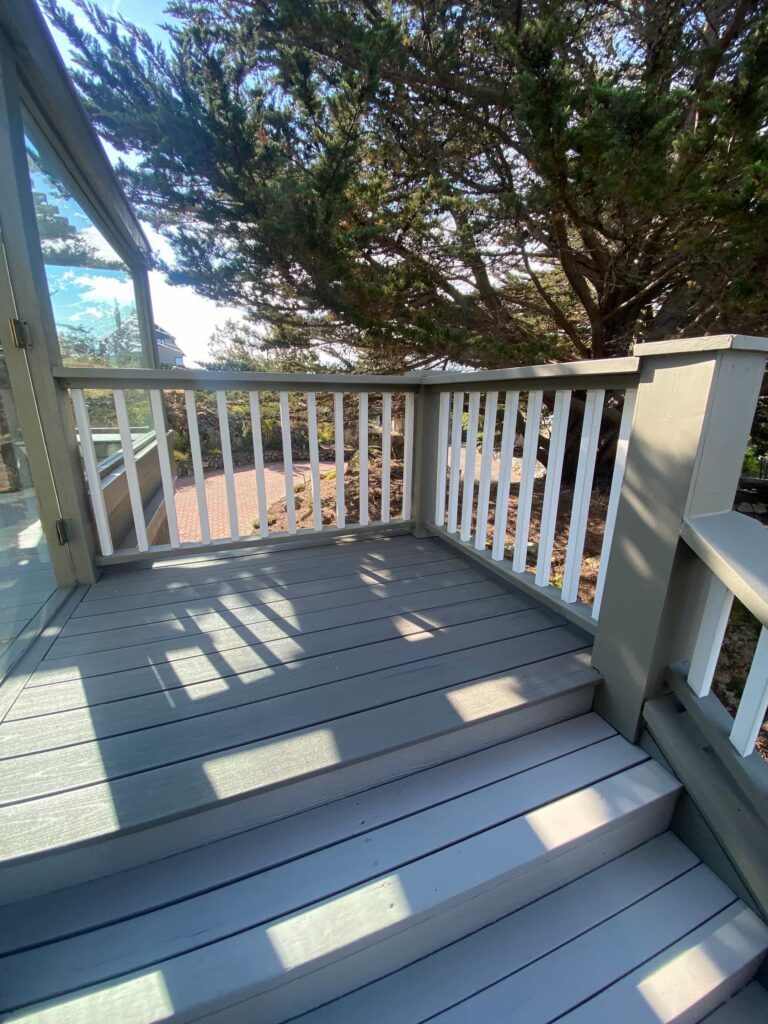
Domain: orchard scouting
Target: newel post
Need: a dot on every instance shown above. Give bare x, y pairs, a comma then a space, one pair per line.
425, 455
695, 405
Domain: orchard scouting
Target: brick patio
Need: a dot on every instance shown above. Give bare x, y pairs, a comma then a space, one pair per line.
245, 488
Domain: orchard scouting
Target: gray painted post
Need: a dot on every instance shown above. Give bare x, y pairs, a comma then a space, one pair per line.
425, 459
694, 411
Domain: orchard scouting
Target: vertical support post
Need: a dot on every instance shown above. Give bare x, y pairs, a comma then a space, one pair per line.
425, 459
694, 410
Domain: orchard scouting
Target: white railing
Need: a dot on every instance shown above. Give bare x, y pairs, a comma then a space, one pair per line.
548, 400
734, 552
339, 396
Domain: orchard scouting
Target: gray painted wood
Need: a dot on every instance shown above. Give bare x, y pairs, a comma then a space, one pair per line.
686, 981
201, 781
376, 927
279, 619
750, 1006
456, 972
351, 588
705, 401
284, 645
285, 578
277, 667
149, 886
281, 891
147, 747
600, 957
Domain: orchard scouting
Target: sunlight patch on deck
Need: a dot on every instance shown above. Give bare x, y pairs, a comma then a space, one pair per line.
336, 923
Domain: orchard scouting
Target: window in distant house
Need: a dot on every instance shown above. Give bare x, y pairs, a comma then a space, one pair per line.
91, 288
179, 361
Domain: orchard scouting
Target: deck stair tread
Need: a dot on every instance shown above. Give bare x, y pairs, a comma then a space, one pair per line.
498, 845
361, 782
750, 1006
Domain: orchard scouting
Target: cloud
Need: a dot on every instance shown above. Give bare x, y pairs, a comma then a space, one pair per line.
189, 317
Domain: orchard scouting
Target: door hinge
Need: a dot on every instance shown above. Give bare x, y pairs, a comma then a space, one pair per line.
61, 531
20, 333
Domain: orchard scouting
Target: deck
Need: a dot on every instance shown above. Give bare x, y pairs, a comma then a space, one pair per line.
178, 687
358, 781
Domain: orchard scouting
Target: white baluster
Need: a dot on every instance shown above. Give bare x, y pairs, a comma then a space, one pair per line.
470, 455
92, 474
508, 435
619, 465
338, 435
226, 456
408, 456
363, 453
582, 494
486, 465
314, 462
131, 475
754, 700
258, 463
457, 426
552, 486
166, 472
386, 454
527, 478
197, 466
709, 636
285, 430
442, 457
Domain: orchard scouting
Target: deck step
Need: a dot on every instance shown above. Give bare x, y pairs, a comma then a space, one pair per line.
100, 806
750, 1006
339, 897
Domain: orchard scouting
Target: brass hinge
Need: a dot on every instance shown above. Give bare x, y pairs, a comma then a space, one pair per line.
20, 333
61, 531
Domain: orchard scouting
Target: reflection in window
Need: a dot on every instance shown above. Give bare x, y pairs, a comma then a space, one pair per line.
91, 288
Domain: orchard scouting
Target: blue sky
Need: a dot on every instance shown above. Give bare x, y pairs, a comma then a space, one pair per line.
190, 317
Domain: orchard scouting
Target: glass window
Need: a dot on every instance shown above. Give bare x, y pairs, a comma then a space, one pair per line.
91, 288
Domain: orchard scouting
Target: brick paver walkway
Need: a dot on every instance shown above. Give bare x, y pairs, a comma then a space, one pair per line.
245, 488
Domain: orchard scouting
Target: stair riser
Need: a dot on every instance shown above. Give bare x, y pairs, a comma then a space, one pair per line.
451, 921
56, 870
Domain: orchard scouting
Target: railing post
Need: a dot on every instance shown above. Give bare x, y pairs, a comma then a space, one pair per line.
425, 455
694, 411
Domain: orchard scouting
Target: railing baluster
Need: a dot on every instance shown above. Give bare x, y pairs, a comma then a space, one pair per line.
754, 700
92, 474
226, 455
285, 430
442, 457
552, 487
508, 435
408, 456
457, 426
582, 493
386, 454
486, 463
166, 473
619, 465
363, 456
314, 462
709, 636
258, 463
527, 478
338, 440
131, 474
470, 454
197, 466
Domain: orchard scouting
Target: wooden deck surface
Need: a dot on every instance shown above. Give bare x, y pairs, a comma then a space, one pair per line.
191, 682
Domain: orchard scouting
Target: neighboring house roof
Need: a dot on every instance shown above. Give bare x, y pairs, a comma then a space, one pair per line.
167, 340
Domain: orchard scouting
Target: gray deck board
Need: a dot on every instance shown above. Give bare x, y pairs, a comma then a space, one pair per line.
330, 656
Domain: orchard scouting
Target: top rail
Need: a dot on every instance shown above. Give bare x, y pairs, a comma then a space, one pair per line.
735, 549
549, 376
228, 380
